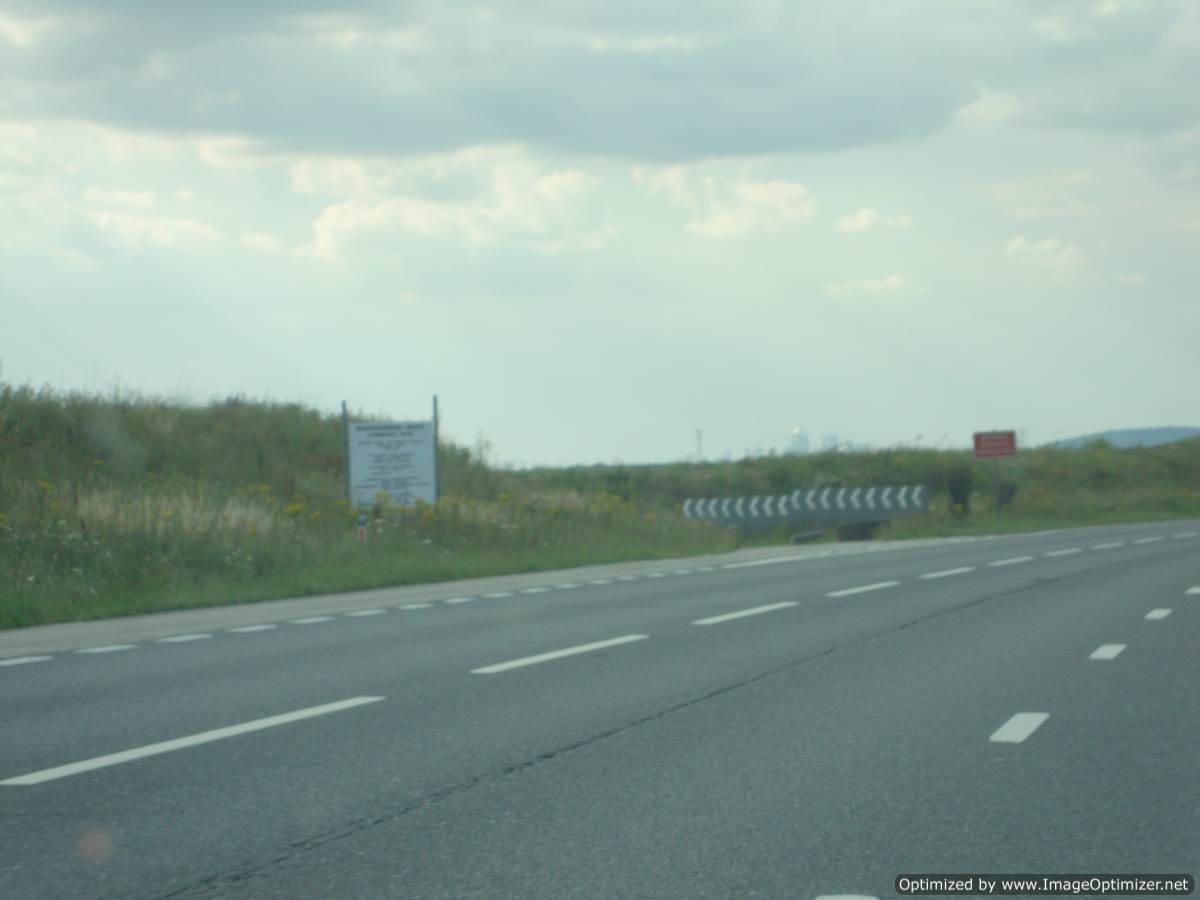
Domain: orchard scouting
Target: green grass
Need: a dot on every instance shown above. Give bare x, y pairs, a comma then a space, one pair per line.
118, 505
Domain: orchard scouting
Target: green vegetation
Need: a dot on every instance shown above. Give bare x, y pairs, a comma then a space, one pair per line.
119, 505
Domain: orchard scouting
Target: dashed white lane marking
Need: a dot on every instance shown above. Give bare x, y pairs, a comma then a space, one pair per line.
742, 613
627, 578
366, 612
107, 648
534, 590
1109, 545
247, 629
557, 654
774, 560
204, 737
1147, 540
1066, 552
681, 571
567, 586
453, 600
600, 581
656, 574
1107, 651
23, 660
1018, 728
417, 606
948, 572
1193, 590
1011, 561
707, 569
862, 590
183, 638
311, 620
1155, 614
1185, 534
495, 595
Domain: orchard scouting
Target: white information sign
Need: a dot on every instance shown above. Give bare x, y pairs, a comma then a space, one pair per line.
395, 458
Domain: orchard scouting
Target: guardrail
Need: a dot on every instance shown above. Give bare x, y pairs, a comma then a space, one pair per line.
816, 506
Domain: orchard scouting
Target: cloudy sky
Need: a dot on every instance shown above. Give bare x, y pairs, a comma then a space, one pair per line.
593, 228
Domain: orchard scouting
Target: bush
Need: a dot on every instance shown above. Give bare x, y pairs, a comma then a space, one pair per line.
959, 479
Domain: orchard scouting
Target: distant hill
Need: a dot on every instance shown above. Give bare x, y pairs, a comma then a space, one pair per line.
1132, 437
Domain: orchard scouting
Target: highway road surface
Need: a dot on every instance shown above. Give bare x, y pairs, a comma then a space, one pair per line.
778, 722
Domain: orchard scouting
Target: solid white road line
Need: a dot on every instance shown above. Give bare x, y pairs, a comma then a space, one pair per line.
1107, 651
311, 620
1185, 534
367, 612
453, 600
1193, 590
183, 638
22, 660
948, 572
417, 606
1012, 561
204, 737
1147, 540
774, 560
247, 629
1108, 546
1066, 552
496, 595
1018, 728
713, 620
557, 654
1155, 614
108, 648
862, 590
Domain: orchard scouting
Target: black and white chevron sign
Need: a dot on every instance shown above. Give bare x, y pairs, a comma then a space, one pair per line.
843, 504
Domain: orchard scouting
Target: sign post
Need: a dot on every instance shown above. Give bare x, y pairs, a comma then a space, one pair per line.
993, 445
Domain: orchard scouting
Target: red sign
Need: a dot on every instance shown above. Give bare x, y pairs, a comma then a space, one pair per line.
995, 443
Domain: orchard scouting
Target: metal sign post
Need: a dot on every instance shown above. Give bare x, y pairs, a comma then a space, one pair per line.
993, 445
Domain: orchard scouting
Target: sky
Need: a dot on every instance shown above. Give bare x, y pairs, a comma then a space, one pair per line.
596, 228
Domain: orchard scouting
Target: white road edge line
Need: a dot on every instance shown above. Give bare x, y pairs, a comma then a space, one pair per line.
862, 590
761, 562
1018, 728
1155, 614
183, 638
247, 629
557, 654
107, 648
1108, 546
1066, 552
204, 737
948, 572
1107, 651
22, 660
741, 613
1147, 540
367, 612
1011, 561
1185, 534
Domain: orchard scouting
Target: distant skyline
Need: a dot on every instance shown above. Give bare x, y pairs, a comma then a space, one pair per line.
595, 228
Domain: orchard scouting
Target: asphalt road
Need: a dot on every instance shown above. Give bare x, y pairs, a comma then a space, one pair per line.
785, 722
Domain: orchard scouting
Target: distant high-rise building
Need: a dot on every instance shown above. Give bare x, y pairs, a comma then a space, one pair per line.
829, 442
799, 441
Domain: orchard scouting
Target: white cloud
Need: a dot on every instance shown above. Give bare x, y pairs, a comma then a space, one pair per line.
1049, 255
988, 109
25, 33
752, 206
138, 231
184, 195
1060, 30
887, 284
1134, 279
669, 180
120, 198
870, 219
263, 242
